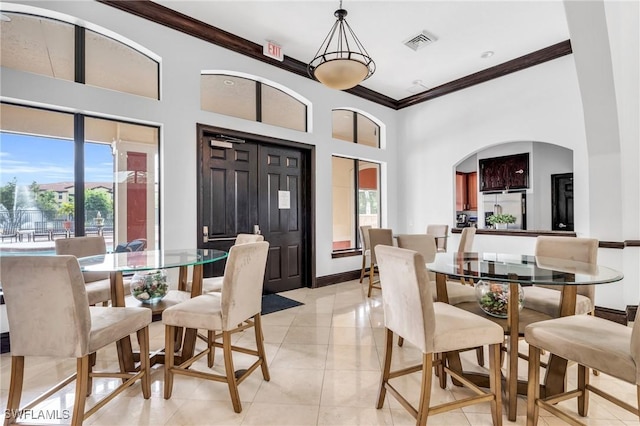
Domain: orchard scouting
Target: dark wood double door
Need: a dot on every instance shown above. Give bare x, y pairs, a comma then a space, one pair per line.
255, 186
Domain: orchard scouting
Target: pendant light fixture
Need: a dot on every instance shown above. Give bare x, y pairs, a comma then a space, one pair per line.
341, 62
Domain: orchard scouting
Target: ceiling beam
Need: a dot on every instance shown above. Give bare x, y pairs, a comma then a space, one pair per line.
539, 56
172, 19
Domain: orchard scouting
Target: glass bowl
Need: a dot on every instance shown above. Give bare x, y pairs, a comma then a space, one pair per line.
149, 286
493, 298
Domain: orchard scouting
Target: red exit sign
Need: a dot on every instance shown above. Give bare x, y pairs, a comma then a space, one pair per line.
272, 50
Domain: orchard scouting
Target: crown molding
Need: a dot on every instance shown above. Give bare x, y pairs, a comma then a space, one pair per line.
175, 20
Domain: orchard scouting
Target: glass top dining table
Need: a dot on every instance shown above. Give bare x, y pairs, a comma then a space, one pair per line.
518, 270
129, 262
118, 264
523, 269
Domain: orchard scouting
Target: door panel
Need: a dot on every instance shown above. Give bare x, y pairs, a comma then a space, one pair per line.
229, 197
562, 202
281, 171
239, 188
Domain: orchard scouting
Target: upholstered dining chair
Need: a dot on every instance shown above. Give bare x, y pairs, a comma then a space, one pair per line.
98, 283
434, 328
366, 249
440, 232
547, 298
236, 308
215, 283
49, 316
466, 240
425, 244
591, 342
377, 236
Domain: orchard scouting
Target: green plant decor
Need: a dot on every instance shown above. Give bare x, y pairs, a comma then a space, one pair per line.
501, 218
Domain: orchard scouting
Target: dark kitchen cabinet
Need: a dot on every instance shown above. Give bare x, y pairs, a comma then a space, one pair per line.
504, 173
466, 191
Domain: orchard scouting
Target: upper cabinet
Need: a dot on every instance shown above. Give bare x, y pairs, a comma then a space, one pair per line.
504, 173
466, 191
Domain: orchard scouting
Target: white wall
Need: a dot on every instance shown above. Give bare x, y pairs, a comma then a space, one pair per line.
543, 103
183, 58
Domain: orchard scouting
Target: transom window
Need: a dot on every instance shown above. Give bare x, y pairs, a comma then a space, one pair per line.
62, 50
351, 126
252, 99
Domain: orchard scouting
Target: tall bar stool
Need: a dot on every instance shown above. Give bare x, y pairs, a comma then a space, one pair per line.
377, 237
434, 328
366, 249
592, 342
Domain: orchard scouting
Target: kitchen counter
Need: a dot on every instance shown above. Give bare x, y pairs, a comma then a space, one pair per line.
518, 232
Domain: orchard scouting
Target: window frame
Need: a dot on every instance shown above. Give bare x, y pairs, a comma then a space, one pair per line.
354, 129
357, 250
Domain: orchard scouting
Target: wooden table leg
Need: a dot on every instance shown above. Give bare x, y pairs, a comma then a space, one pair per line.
123, 346
554, 382
513, 316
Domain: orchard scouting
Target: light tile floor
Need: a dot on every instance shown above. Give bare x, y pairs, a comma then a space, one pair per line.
325, 359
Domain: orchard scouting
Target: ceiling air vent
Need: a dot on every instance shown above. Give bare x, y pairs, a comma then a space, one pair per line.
419, 41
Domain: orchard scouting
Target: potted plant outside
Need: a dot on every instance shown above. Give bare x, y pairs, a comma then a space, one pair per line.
500, 221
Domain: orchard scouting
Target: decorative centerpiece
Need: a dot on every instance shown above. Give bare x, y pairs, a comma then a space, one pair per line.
149, 286
501, 221
494, 297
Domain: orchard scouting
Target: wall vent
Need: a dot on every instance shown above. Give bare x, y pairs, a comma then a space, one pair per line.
419, 41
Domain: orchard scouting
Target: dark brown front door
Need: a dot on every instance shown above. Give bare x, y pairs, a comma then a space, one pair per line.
562, 202
251, 186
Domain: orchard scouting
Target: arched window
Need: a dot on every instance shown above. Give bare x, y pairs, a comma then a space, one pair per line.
352, 126
243, 96
57, 48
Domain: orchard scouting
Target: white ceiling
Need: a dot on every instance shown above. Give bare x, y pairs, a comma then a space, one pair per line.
464, 30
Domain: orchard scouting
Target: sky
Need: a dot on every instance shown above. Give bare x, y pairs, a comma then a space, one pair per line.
47, 160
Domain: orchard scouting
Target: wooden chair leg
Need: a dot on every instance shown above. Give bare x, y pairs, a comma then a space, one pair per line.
15, 388
231, 374
533, 388
480, 355
169, 348
495, 382
363, 268
257, 325
371, 272
425, 389
92, 362
143, 341
583, 398
212, 348
82, 378
386, 368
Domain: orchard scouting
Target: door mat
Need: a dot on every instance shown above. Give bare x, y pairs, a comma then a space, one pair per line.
274, 303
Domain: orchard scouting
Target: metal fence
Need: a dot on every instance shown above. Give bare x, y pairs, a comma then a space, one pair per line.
35, 223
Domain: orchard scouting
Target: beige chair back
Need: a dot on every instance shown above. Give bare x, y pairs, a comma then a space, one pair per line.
364, 237
406, 296
439, 231
466, 240
47, 306
571, 248
82, 247
242, 283
635, 346
248, 238
379, 236
425, 244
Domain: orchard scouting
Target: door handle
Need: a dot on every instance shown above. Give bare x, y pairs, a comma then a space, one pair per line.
256, 229
205, 234
562, 225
